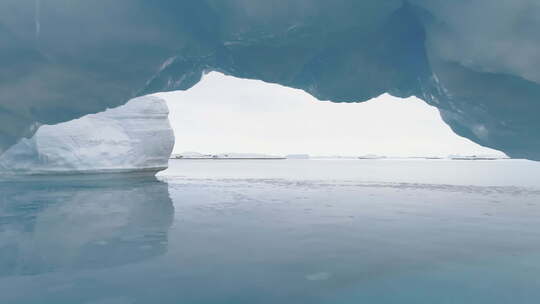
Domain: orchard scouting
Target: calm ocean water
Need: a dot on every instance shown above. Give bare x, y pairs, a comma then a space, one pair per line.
276, 231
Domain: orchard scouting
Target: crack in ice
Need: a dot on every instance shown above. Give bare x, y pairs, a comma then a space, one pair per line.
37, 18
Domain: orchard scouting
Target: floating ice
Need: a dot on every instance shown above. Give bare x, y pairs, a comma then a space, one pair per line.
136, 136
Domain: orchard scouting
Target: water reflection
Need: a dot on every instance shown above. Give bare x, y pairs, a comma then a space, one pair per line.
266, 240
61, 223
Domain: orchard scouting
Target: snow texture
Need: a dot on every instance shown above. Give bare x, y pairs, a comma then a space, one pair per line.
132, 137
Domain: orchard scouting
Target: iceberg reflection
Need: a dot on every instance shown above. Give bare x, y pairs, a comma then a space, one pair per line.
70, 222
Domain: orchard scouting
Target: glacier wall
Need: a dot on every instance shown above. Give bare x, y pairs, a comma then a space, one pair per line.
477, 61
132, 137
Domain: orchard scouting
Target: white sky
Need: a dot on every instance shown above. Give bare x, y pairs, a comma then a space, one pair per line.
225, 114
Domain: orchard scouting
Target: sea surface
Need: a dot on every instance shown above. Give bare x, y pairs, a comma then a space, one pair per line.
276, 231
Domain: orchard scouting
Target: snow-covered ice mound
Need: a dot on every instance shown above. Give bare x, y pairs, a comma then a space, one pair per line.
135, 136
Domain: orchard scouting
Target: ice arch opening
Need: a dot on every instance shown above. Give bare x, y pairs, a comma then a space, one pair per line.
224, 114
227, 114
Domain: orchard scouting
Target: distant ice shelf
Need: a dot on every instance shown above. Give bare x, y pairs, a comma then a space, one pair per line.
134, 137
234, 156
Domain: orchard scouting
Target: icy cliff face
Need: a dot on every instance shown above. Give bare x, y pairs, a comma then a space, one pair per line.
477, 61
135, 136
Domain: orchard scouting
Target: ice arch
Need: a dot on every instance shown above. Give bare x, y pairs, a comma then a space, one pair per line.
476, 61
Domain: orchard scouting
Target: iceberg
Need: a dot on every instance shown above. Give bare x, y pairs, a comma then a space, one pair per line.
133, 137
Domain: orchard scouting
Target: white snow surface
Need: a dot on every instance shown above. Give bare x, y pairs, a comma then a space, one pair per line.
132, 137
